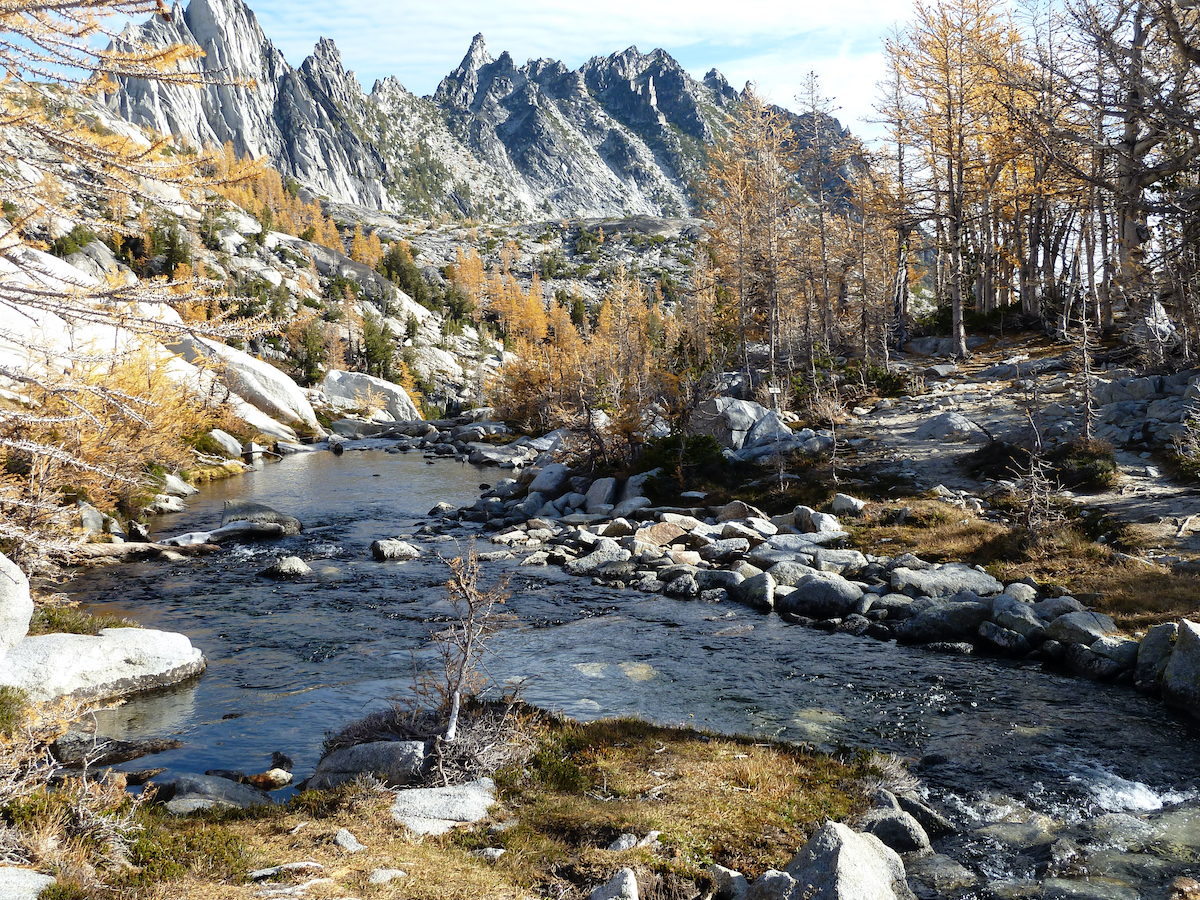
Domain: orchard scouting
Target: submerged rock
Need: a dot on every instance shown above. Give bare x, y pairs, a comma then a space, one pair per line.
185, 794
394, 550
287, 567
259, 514
941, 874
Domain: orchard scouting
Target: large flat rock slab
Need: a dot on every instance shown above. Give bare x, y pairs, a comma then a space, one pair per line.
437, 810
115, 663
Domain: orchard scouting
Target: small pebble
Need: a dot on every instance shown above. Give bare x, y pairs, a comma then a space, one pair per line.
623, 843
383, 876
348, 842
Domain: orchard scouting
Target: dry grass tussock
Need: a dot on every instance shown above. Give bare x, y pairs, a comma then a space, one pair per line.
745, 804
935, 531
888, 771
82, 828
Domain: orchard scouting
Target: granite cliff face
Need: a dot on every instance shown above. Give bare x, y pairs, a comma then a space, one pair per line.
624, 134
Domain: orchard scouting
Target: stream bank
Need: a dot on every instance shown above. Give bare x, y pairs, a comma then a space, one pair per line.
998, 742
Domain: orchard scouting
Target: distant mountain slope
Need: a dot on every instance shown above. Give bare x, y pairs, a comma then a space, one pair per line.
624, 134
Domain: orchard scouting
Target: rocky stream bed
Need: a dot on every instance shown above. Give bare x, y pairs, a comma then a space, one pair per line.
1053, 785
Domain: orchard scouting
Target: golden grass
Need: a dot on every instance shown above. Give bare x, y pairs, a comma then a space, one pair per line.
1135, 595
935, 531
1138, 596
744, 804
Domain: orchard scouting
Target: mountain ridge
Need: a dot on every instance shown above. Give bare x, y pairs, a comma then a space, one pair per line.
624, 134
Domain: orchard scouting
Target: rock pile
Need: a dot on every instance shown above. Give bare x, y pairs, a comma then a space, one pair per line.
795, 565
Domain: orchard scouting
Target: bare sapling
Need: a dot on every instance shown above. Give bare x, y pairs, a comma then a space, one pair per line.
463, 645
1042, 516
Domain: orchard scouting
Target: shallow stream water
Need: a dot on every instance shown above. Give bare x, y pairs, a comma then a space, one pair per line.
1062, 787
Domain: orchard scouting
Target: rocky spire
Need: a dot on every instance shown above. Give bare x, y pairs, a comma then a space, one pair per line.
460, 86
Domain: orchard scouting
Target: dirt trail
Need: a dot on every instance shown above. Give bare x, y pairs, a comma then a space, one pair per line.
887, 434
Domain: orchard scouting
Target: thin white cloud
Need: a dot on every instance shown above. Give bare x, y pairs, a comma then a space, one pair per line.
773, 44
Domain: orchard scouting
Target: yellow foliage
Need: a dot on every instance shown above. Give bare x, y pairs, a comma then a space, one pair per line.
259, 189
100, 434
358, 245
559, 378
404, 377
468, 275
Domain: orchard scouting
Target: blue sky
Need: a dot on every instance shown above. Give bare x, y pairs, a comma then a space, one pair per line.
774, 44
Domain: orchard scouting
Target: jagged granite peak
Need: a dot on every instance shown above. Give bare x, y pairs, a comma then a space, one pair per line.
324, 70
264, 107
717, 83
460, 86
624, 134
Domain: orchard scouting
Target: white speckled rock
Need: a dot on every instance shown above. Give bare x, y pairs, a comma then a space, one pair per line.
395, 763
256, 382
22, 884
437, 810
353, 389
622, 886
838, 863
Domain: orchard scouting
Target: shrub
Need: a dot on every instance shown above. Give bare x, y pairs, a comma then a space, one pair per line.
1084, 465
398, 267
78, 238
1077, 465
12, 708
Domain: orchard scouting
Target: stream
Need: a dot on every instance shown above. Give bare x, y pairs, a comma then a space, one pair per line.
1060, 787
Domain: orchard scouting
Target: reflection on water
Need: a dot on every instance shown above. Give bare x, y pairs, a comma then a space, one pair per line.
289, 661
